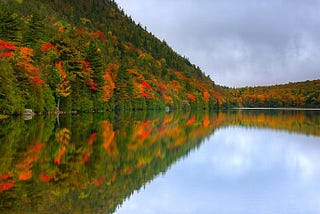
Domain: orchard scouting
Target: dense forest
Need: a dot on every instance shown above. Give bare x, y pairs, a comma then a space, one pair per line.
86, 56
300, 94
89, 56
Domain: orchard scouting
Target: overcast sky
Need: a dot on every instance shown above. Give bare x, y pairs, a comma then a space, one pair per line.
238, 42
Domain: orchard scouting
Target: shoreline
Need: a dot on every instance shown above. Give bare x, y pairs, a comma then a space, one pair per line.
236, 108
4, 116
278, 108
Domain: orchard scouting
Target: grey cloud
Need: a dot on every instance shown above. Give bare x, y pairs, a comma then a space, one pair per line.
239, 43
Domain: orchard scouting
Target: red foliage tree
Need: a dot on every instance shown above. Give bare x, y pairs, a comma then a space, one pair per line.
191, 97
43, 177
145, 84
46, 47
98, 35
6, 186
7, 49
86, 69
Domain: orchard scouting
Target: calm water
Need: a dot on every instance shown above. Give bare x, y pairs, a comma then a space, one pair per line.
184, 162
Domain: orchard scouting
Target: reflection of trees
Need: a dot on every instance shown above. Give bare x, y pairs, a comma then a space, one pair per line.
92, 163
304, 122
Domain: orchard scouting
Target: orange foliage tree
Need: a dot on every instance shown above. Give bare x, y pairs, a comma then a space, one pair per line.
206, 96
62, 88
25, 62
109, 75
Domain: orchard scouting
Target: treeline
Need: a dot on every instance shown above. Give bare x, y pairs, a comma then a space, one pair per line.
300, 94
304, 122
89, 56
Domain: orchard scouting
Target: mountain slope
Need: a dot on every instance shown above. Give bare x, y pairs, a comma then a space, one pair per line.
89, 56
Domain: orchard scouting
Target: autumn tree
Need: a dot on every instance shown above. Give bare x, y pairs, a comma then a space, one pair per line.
62, 86
30, 80
108, 84
206, 96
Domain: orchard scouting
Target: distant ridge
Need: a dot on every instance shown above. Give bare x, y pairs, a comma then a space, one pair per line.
292, 95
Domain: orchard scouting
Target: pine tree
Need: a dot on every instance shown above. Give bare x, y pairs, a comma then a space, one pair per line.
9, 23
35, 31
10, 98
123, 89
95, 58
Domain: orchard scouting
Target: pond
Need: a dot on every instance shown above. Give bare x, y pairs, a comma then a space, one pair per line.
242, 161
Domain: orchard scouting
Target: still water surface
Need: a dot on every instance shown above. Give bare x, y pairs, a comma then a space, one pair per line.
239, 170
184, 162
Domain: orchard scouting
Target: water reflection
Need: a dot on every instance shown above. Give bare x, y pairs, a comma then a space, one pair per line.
250, 171
92, 163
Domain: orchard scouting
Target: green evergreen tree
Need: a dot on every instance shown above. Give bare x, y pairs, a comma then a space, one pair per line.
34, 31
123, 89
9, 23
10, 98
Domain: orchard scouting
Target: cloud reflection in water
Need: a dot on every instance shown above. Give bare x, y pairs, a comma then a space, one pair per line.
239, 170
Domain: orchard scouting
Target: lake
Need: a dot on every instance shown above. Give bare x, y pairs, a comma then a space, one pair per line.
241, 161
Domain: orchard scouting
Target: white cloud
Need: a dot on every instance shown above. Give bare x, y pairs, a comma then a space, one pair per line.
236, 42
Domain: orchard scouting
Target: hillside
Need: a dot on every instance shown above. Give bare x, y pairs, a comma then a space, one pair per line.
89, 56
300, 94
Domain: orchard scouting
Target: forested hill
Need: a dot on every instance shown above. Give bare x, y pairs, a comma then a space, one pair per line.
299, 94
88, 55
